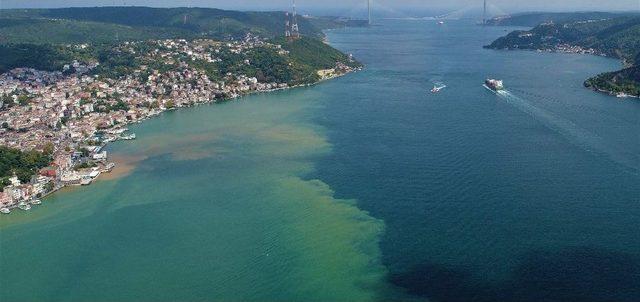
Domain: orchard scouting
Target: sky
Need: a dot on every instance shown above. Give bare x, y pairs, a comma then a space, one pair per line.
350, 7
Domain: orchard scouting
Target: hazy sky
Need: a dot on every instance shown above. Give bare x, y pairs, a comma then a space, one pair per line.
349, 6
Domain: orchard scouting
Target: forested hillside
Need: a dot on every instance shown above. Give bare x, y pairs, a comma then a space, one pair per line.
617, 37
107, 24
44, 39
533, 19
22, 164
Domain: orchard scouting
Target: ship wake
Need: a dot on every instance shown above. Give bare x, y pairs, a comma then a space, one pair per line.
585, 139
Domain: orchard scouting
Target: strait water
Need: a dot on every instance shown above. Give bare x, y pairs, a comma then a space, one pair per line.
367, 187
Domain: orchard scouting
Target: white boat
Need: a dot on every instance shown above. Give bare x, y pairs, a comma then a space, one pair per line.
24, 206
437, 88
109, 167
5, 210
129, 137
36, 201
440, 22
495, 85
85, 181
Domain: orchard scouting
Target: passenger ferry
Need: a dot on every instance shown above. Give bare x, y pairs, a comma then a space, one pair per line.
493, 84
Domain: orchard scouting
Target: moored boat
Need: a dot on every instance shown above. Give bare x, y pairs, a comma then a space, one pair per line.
128, 137
109, 167
5, 210
85, 181
24, 206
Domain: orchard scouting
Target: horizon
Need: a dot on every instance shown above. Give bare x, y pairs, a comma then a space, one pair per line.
351, 8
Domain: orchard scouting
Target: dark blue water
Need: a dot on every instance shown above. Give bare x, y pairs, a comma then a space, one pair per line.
530, 195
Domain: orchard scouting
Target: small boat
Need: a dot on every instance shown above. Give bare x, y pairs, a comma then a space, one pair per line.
493, 84
24, 206
129, 137
5, 210
437, 88
36, 202
109, 167
85, 181
440, 22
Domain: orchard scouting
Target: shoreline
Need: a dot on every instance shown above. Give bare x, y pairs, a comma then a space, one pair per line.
613, 94
625, 64
106, 175
121, 167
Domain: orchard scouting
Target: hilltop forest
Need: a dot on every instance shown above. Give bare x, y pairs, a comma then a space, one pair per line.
41, 38
613, 35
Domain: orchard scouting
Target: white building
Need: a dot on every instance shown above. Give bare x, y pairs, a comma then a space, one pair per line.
100, 155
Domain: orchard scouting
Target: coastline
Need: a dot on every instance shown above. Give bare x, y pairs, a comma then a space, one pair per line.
128, 162
580, 51
611, 93
121, 166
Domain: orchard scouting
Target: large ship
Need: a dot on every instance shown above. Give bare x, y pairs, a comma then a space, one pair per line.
495, 85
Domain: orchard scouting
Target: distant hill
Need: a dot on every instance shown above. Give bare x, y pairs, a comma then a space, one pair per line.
330, 22
47, 39
110, 24
534, 19
617, 37
60, 31
43, 57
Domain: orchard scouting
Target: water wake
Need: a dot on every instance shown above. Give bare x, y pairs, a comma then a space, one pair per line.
587, 140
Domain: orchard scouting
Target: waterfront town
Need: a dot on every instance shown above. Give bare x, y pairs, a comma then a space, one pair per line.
73, 113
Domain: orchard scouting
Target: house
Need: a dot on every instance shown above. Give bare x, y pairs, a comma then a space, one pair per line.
14, 181
49, 172
5, 199
63, 161
15, 192
40, 185
70, 177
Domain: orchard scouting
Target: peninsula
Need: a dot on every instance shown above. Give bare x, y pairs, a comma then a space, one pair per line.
73, 79
604, 34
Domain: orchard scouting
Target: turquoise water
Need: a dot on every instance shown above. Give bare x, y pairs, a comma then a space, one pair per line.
216, 207
363, 188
